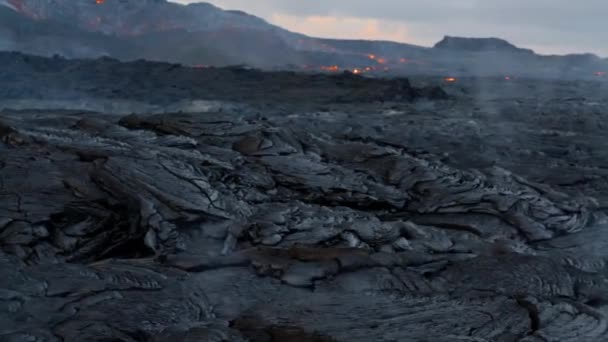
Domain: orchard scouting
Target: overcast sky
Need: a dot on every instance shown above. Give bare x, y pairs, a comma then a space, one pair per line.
547, 26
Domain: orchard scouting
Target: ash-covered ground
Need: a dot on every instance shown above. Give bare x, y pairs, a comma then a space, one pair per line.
237, 205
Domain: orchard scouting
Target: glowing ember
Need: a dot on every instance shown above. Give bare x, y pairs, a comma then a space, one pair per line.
356, 71
378, 60
100, 2
450, 79
332, 68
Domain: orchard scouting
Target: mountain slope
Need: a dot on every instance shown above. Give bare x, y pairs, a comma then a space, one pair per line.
136, 17
449, 43
202, 34
48, 37
157, 30
152, 29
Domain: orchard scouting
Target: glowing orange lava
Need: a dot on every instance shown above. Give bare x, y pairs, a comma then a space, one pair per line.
332, 68
450, 79
371, 56
99, 2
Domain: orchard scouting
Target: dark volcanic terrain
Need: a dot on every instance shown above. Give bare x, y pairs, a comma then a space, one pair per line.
151, 202
31, 77
203, 34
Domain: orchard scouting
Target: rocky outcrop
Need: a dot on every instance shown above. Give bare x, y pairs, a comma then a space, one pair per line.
462, 44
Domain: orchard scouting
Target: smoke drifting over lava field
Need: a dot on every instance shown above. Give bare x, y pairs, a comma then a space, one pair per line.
202, 34
311, 193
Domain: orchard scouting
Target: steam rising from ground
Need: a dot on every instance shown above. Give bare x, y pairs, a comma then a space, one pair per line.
117, 107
